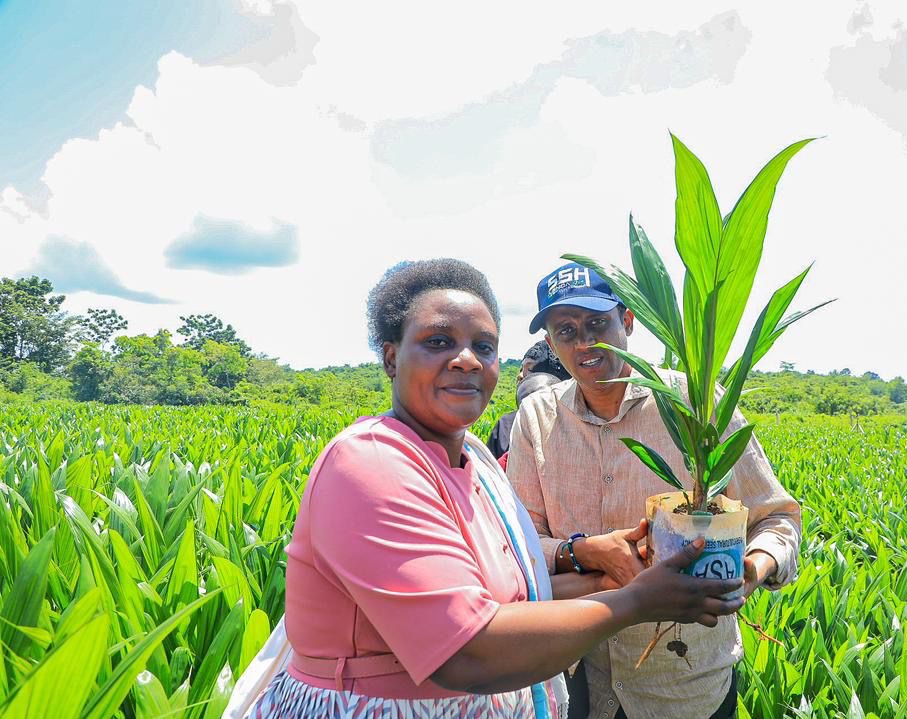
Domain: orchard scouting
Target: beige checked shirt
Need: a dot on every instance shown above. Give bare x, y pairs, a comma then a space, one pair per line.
574, 475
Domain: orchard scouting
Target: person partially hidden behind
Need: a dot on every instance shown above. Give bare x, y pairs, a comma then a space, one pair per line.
581, 484
499, 439
540, 360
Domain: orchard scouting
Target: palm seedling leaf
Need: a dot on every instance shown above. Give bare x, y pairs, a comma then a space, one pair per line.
653, 461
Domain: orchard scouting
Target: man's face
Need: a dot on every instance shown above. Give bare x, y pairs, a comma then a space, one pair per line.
573, 331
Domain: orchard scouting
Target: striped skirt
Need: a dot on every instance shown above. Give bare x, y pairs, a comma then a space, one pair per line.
289, 698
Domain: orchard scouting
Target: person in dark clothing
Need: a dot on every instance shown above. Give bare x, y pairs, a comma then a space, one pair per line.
499, 440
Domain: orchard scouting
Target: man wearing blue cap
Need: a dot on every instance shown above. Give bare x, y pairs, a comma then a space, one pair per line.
586, 492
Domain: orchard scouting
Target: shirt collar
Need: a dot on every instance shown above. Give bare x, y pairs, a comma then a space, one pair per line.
573, 399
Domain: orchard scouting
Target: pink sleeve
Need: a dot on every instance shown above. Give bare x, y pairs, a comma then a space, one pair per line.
379, 523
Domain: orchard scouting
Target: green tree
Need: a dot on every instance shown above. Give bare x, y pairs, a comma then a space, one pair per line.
224, 365
150, 370
100, 325
89, 369
198, 329
32, 325
897, 390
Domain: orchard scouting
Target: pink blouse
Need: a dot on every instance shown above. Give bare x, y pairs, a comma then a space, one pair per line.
394, 551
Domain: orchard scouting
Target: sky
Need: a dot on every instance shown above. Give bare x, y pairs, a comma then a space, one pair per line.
268, 160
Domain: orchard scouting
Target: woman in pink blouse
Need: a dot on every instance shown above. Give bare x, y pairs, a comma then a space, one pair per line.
410, 576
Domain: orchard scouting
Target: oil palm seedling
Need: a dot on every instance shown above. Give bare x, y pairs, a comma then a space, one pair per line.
720, 255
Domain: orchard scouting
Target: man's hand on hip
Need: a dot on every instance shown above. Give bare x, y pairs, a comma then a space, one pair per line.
615, 553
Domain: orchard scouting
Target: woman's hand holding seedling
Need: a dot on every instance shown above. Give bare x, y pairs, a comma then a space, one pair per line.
664, 593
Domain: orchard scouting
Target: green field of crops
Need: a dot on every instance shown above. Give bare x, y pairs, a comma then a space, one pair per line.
141, 560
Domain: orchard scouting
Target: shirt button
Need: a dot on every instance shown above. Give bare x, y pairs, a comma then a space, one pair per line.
614, 639
610, 702
608, 428
610, 529
505, 547
619, 685
521, 597
609, 479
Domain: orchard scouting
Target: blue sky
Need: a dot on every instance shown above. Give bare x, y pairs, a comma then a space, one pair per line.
267, 160
70, 67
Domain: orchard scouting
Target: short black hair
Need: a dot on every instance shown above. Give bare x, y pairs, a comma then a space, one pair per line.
545, 360
538, 352
391, 299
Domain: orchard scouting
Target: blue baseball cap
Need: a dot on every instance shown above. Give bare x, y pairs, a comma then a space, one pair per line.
575, 286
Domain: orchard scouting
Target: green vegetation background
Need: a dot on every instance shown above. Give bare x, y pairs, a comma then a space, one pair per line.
47, 353
142, 547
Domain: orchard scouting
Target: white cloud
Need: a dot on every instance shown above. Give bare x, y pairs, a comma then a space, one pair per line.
286, 48
230, 144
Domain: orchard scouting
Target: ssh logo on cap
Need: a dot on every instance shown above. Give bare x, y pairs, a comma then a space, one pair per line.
569, 277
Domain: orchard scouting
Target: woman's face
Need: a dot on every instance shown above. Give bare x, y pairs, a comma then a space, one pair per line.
445, 366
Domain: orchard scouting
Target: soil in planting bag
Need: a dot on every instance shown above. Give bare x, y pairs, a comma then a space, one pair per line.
724, 534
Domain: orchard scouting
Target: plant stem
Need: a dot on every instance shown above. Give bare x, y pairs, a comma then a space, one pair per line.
700, 498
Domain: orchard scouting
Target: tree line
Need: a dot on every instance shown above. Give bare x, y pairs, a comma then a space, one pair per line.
47, 353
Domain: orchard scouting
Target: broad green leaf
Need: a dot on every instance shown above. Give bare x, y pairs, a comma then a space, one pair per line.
233, 581
151, 531
157, 489
741, 247
78, 479
55, 452
104, 702
697, 220
656, 386
220, 695
41, 637
182, 585
43, 501
204, 683
722, 458
716, 488
78, 659
179, 700
176, 519
855, 710
123, 514
262, 498
655, 282
151, 701
22, 603
78, 614
672, 407
130, 576
653, 461
258, 629
232, 502
87, 540
767, 329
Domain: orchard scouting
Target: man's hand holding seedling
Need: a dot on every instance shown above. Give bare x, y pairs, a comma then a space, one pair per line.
616, 554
